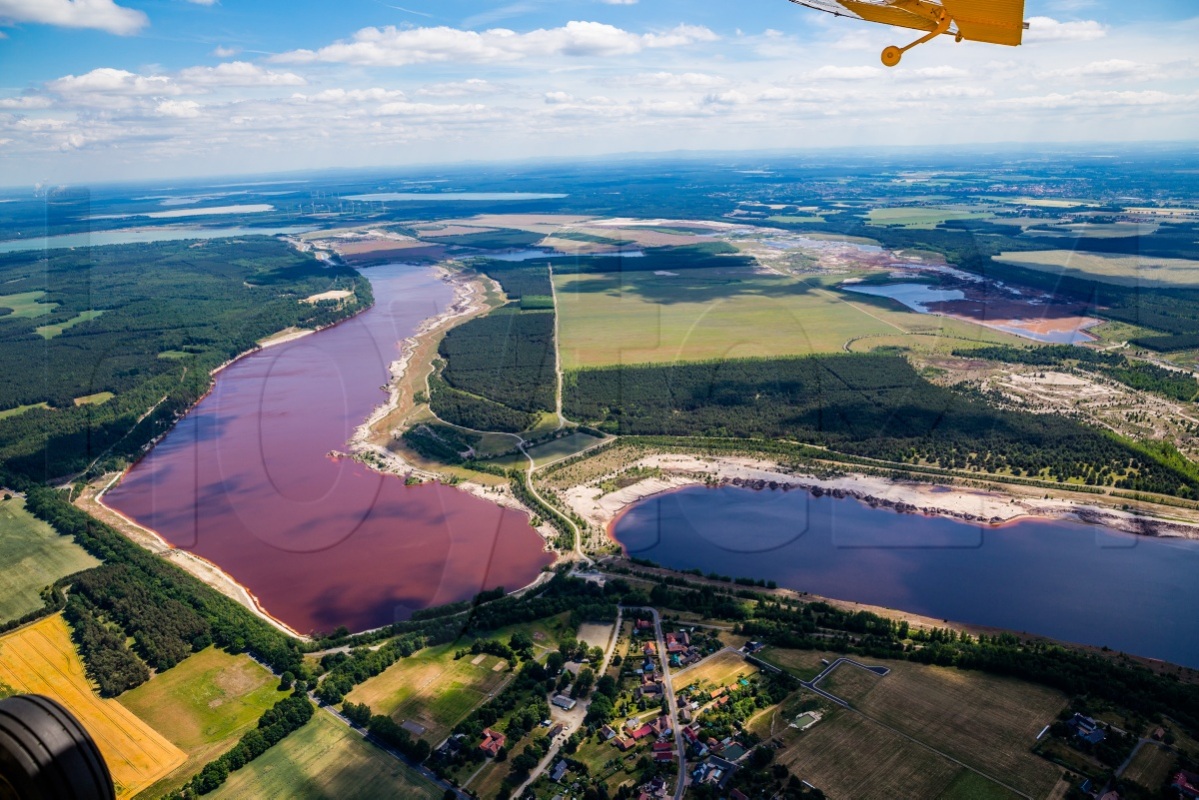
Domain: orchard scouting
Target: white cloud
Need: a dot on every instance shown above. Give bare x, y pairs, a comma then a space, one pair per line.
1115, 68
556, 98
24, 103
858, 73
344, 97
1047, 29
1092, 99
459, 88
677, 80
108, 81
220, 51
180, 109
238, 73
395, 47
102, 15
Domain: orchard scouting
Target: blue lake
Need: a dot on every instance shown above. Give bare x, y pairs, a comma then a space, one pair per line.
1067, 580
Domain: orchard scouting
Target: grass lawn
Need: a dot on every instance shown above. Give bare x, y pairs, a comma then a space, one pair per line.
431, 689
1151, 768
714, 671
32, 556
203, 705
1120, 270
921, 217
27, 305
988, 722
50, 331
972, 786
41, 659
325, 759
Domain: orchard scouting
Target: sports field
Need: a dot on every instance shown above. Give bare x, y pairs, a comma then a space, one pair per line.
32, 556
432, 689
325, 760
41, 659
1120, 270
203, 705
922, 217
988, 722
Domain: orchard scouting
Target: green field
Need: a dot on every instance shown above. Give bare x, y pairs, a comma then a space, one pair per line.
94, 399
32, 556
921, 217
12, 412
432, 689
50, 331
562, 448
1119, 270
27, 305
325, 760
706, 314
1152, 767
203, 705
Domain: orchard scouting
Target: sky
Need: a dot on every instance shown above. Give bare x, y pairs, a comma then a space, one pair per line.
104, 90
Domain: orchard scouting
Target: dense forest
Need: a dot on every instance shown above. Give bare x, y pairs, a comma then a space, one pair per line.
498, 371
171, 313
864, 405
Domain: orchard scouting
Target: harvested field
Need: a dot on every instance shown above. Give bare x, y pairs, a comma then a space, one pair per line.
719, 669
432, 689
32, 556
41, 659
325, 760
1151, 768
921, 217
987, 722
848, 757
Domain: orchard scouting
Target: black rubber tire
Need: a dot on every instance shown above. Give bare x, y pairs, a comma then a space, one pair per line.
46, 754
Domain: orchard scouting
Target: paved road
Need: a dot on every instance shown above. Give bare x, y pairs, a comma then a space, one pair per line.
672, 704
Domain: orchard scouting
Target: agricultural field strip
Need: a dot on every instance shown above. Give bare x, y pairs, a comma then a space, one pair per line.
38, 656
812, 686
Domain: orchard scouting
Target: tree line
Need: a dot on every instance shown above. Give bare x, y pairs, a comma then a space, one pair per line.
864, 405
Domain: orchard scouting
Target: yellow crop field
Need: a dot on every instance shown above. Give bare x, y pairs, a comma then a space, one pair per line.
40, 659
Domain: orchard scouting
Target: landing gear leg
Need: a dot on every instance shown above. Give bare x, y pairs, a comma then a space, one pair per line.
893, 55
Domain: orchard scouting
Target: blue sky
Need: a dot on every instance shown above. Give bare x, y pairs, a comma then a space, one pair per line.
103, 89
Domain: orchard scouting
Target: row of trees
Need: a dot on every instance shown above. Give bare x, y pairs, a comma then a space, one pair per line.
288, 715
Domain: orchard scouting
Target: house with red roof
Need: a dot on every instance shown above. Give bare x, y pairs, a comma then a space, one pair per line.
492, 742
642, 732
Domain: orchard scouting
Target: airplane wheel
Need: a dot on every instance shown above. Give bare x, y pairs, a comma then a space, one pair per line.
892, 56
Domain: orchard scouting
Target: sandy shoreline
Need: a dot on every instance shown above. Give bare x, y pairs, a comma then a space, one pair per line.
195, 565
976, 506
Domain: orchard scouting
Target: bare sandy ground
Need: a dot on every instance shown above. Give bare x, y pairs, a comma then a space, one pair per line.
972, 505
332, 294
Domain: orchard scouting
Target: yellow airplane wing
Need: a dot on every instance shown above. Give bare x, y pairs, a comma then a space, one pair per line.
888, 15
992, 21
